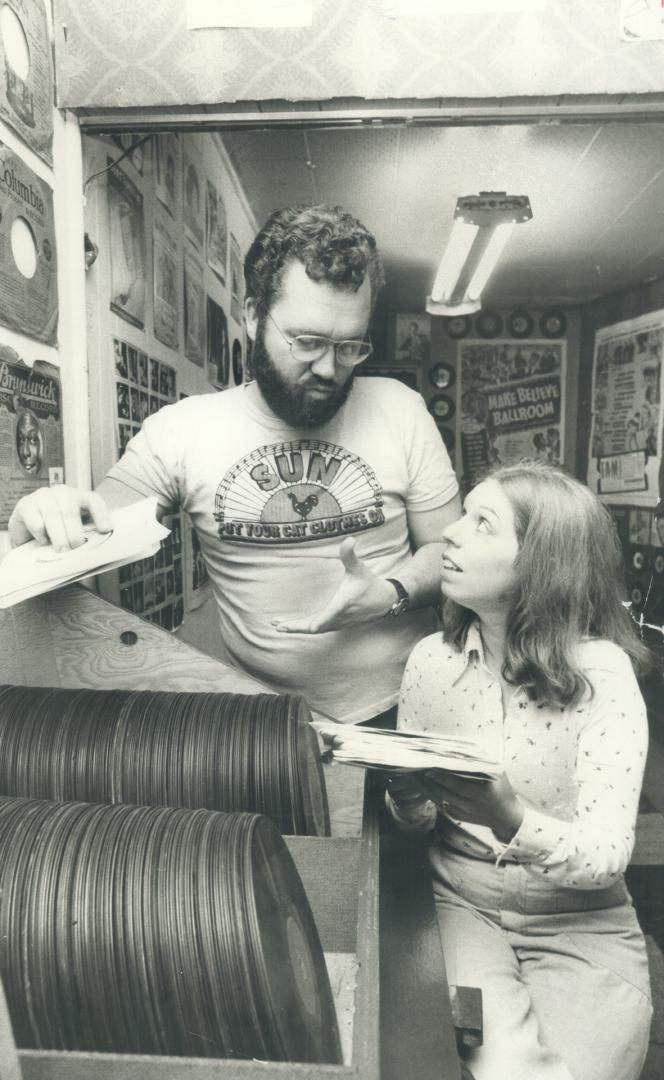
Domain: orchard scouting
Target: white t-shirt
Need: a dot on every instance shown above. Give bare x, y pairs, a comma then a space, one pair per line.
271, 505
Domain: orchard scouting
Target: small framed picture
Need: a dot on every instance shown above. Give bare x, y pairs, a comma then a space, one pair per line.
412, 339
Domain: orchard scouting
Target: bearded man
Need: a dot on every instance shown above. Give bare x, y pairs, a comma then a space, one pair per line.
318, 498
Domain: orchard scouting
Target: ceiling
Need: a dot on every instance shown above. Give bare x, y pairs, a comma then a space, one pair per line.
596, 192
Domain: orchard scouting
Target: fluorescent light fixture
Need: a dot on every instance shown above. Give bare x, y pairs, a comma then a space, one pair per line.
482, 226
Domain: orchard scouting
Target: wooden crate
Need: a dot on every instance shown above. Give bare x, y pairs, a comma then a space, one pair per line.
72, 638
340, 876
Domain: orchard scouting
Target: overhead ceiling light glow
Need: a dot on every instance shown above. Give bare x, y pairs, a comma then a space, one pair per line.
482, 226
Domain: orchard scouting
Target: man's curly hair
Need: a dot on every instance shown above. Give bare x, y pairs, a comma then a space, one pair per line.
333, 246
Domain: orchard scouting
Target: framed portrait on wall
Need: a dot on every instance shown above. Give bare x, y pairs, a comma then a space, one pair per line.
412, 339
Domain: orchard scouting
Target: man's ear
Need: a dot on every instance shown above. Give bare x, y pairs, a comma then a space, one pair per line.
251, 317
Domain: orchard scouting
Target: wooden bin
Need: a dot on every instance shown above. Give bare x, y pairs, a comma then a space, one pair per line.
72, 638
340, 876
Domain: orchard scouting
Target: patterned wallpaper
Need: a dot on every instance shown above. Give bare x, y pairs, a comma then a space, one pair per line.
113, 53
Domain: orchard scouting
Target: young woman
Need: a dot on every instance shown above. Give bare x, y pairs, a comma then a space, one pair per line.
536, 665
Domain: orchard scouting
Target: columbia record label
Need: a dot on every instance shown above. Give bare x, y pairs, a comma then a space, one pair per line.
28, 286
26, 74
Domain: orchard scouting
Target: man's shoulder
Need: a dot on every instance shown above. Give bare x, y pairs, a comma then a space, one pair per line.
386, 391
201, 405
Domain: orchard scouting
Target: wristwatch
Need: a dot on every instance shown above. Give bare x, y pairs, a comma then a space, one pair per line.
402, 601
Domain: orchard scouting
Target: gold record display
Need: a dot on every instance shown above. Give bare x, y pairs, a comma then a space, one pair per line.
28, 283
26, 74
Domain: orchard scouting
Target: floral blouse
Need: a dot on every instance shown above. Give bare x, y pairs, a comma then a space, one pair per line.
578, 770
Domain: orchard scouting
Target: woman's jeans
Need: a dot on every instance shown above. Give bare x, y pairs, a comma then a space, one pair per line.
563, 973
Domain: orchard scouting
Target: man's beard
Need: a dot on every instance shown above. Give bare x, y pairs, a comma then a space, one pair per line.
292, 403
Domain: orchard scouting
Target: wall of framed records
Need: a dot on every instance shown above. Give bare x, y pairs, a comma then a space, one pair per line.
168, 218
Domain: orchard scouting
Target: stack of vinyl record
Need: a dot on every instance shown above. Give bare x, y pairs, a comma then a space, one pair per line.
154, 930
228, 752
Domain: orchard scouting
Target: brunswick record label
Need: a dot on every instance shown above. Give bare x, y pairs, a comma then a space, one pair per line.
31, 447
28, 285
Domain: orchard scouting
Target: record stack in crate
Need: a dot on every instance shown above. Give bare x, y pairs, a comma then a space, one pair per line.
148, 903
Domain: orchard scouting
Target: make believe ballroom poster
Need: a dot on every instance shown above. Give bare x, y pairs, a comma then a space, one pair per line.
625, 447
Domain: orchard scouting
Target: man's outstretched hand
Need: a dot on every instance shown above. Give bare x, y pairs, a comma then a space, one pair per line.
360, 597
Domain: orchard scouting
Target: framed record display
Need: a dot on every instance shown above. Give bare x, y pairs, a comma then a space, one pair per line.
441, 407
28, 292
553, 323
520, 324
26, 74
458, 326
488, 324
441, 376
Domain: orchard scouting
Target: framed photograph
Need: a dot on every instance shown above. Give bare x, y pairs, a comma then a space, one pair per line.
412, 339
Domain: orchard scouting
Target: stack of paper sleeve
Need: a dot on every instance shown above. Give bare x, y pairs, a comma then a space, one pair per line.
408, 751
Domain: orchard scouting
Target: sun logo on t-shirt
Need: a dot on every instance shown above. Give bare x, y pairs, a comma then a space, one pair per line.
290, 492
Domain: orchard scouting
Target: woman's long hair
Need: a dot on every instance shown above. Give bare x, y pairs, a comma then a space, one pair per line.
570, 584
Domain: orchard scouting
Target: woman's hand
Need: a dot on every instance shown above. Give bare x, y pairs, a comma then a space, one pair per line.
490, 802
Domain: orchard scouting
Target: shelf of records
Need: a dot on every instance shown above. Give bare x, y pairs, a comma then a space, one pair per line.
143, 385
154, 588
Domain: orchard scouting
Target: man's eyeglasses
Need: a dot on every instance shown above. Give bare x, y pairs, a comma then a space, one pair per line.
308, 348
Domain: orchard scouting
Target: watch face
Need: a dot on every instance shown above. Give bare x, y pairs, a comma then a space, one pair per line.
400, 606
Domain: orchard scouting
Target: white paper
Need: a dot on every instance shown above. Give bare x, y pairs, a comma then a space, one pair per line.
205, 14
35, 568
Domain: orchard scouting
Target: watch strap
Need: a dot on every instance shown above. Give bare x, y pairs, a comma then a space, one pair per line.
402, 593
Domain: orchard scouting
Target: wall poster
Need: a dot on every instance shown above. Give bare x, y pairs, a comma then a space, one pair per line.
127, 233
510, 403
626, 428
216, 231
166, 282
194, 310
194, 207
31, 447
166, 173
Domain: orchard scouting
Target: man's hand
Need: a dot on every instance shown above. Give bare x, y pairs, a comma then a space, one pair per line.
360, 597
490, 802
55, 515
